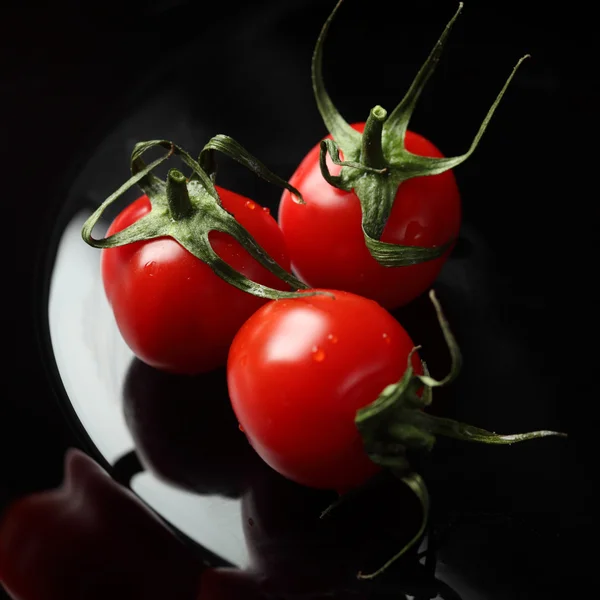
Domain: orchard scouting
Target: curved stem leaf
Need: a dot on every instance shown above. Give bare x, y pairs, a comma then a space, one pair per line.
455, 354
233, 277
376, 194
415, 482
397, 124
329, 146
396, 255
243, 236
88, 226
150, 185
420, 166
138, 164
342, 132
461, 431
232, 149
146, 228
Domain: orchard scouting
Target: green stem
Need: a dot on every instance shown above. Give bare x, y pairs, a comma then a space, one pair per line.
341, 131
372, 151
376, 163
178, 197
415, 482
400, 116
187, 210
396, 419
228, 146
395, 422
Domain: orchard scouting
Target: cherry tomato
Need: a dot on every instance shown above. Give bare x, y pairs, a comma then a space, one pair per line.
326, 242
171, 309
299, 369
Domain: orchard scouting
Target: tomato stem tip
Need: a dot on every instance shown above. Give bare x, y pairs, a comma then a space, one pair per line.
377, 162
372, 149
178, 197
189, 210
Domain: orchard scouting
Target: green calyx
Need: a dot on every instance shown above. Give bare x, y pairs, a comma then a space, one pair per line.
396, 421
376, 162
187, 209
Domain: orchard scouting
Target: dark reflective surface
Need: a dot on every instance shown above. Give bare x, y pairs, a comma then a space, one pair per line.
500, 521
296, 550
185, 431
507, 522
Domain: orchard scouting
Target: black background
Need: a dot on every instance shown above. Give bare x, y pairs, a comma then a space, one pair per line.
64, 72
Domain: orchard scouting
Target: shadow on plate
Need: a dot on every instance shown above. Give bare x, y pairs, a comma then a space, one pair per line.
185, 431
297, 553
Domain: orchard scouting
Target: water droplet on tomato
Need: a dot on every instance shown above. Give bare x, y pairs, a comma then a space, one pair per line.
244, 360
150, 268
318, 354
240, 428
251, 205
267, 210
332, 338
386, 338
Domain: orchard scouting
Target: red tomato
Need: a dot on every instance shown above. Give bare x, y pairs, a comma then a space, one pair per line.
171, 309
326, 242
299, 369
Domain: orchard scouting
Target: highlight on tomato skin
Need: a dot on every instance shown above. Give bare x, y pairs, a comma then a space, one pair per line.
326, 241
172, 310
298, 371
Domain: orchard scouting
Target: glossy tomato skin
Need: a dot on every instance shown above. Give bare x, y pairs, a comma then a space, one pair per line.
325, 239
171, 309
298, 370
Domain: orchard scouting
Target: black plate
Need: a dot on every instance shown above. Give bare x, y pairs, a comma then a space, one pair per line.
504, 518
